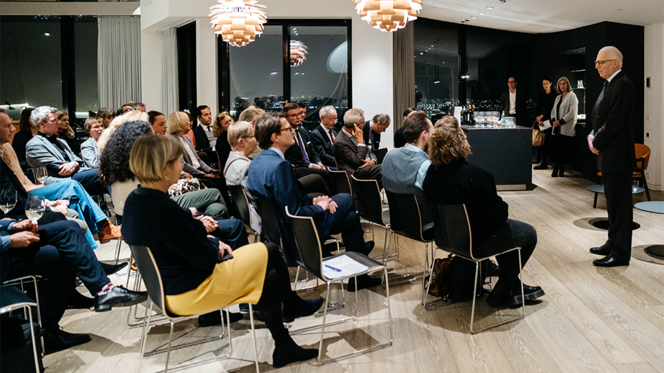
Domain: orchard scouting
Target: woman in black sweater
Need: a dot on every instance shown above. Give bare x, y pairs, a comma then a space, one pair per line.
197, 274
492, 231
545, 102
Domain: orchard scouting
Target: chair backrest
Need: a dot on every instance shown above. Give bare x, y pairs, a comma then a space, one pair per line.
241, 203
270, 222
642, 151
369, 201
341, 182
308, 243
147, 266
405, 215
452, 229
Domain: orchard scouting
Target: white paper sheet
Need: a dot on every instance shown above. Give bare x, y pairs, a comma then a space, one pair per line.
545, 125
342, 266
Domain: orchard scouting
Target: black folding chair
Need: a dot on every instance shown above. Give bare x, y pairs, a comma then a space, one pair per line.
242, 205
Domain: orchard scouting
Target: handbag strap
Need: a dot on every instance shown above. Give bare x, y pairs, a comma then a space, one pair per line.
233, 161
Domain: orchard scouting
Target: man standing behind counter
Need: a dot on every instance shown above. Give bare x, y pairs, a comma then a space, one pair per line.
612, 141
513, 102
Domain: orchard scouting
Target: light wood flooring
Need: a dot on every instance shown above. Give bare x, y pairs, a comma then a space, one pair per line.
591, 319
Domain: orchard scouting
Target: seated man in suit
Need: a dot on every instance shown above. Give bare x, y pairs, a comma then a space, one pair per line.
513, 102
399, 139
300, 154
404, 169
205, 139
350, 151
373, 128
46, 150
270, 176
59, 252
322, 138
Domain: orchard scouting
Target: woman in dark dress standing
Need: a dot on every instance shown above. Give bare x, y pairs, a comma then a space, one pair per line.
543, 111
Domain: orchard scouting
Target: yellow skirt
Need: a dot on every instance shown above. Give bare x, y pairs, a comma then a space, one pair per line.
238, 280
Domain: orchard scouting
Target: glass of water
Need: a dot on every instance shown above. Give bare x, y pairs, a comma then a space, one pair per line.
7, 200
35, 207
40, 174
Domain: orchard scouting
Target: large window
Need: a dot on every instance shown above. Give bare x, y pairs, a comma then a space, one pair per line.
261, 73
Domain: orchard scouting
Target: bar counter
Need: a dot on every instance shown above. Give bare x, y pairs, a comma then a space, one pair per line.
505, 152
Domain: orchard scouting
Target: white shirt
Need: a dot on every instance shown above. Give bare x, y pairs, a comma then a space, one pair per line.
210, 136
613, 75
512, 102
327, 132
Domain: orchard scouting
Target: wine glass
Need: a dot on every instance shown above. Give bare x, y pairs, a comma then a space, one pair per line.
7, 200
40, 174
35, 207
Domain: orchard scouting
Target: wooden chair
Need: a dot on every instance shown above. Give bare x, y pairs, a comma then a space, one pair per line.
642, 160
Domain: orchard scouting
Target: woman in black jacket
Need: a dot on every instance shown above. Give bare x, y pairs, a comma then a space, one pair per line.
545, 102
492, 231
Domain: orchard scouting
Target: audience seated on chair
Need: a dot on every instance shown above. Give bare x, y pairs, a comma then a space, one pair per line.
272, 177
250, 115
119, 120
90, 149
404, 169
220, 129
373, 128
27, 130
200, 273
46, 150
399, 139
157, 122
350, 151
67, 133
451, 180
322, 138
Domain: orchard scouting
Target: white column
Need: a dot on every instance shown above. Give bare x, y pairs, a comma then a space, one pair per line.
206, 66
151, 50
654, 104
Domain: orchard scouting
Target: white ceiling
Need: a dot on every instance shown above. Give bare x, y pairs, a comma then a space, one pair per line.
543, 16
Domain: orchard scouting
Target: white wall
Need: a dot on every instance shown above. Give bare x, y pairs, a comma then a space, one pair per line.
371, 49
654, 104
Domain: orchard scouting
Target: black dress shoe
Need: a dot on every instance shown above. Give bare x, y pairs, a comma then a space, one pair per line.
61, 340
118, 297
555, 172
363, 282
283, 356
561, 172
79, 301
610, 261
110, 269
214, 318
512, 296
368, 246
602, 250
541, 166
244, 308
304, 308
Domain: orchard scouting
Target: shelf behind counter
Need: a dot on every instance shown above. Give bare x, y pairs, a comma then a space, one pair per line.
505, 152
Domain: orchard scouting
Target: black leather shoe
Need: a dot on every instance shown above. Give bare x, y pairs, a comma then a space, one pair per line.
602, 250
283, 356
555, 172
541, 166
368, 246
214, 318
79, 301
561, 172
118, 297
512, 297
363, 282
304, 308
244, 308
610, 261
110, 269
61, 340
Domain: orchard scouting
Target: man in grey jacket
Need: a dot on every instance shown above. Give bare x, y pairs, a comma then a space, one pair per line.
46, 150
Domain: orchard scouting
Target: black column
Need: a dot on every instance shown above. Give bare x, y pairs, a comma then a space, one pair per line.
463, 63
68, 68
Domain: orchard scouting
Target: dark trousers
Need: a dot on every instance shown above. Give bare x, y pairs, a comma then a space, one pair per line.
370, 173
61, 254
561, 149
618, 192
301, 172
90, 181
544, 151
314, 183
512, 233
232, 232
345, 221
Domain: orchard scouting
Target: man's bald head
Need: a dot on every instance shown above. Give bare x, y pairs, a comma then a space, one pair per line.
609, 60
613, 53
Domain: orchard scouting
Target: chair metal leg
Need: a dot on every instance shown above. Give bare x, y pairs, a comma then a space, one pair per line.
645, 186
32, 335
389, 305
253, 335
322, 329
144, 335
168, 350
117, 252
595, 203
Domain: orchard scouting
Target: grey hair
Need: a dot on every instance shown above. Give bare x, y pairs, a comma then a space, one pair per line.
353, 116
381, 118
40, 114
326, 110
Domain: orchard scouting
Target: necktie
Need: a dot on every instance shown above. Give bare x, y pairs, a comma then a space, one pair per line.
331, 135
601, 96
302, 150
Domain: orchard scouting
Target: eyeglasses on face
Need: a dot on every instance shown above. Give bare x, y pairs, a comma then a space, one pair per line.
289, 128
602, 62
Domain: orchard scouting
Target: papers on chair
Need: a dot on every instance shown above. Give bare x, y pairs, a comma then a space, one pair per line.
342, 266
545, 125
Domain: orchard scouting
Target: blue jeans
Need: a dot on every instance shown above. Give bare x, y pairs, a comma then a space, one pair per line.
80, 201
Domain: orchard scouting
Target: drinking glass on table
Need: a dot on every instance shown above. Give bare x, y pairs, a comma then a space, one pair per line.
35, 207
7, 200
40, 174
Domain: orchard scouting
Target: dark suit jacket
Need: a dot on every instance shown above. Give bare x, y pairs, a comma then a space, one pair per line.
322, 146
612, 126
399, 138
520, 106
202, 142
348, 155
272, 177
293, 154
369, 133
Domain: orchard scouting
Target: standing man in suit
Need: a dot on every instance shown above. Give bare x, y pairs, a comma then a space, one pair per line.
322, 138
271, 176
612, 141
46, 150
351, 152
513, 102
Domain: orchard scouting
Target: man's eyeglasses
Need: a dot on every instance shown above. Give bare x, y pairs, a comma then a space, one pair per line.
289, 129
293, 115
602, 62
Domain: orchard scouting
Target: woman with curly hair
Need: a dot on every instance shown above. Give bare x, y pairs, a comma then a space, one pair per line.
114, 171
67, 133
452, 180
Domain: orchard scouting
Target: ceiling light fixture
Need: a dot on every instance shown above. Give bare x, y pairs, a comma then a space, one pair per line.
238, 22
388, 15
489, 7
482, 13
298, 53
473, 17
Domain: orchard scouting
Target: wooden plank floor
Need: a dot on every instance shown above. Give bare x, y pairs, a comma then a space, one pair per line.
591, 319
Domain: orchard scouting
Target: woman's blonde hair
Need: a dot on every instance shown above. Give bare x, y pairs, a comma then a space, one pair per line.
237, 131
131, 116
90, 122
447, 143
250, 113
150, 154
69, 133
176, 122
569, 86
216, 125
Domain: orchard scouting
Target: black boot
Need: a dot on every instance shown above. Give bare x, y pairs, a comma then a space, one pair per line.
555, 171
541, 166
561, 171
289, 352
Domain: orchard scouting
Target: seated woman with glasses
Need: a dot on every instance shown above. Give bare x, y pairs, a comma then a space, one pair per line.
492, 231
199, 272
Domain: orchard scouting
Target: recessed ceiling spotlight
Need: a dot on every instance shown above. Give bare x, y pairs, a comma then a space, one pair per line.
489, 7
421, 53
473, 17
274, 73
432, 46
47, 34
482, 13
467, 20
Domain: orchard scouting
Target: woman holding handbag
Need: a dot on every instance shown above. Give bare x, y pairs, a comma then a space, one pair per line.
563, 120
545, 102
